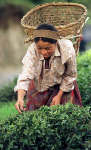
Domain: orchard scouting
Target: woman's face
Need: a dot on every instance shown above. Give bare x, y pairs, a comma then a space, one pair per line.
45, 48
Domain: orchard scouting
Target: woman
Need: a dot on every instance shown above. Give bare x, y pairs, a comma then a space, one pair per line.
49, 71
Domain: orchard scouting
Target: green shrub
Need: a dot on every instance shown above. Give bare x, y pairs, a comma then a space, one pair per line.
7, 109
84, 76
48, 128
7, 91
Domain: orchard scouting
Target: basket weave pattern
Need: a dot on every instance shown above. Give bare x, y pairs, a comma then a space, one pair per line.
68, 18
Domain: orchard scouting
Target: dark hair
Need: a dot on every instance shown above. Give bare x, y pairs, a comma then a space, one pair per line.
46, 27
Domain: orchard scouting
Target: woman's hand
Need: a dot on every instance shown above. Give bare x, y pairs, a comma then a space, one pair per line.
56, 100
20, 102
19, 105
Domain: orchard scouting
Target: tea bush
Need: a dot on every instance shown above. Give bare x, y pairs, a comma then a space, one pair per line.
84, 76
7, 91
48, 128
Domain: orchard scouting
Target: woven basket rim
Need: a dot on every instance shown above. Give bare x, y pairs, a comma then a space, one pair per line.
54, 4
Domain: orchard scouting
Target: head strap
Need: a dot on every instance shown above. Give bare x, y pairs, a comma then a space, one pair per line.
46, 34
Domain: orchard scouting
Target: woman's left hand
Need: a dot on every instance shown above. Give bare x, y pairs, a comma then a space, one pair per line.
56, 100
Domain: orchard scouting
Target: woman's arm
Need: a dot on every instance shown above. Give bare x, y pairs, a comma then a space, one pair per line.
68, 57
20, 101
60, 93
70, 74
25, 77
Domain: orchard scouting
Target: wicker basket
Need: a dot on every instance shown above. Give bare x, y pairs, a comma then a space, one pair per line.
68, 18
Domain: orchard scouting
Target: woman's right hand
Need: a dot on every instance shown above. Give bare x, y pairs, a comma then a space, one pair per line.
20, 102
19, 106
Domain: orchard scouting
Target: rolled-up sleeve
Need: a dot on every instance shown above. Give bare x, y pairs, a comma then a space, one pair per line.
69, 75
28, 70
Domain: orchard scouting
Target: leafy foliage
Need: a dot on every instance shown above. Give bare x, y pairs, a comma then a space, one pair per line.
7, 109
7, 91
84, 76
57, 127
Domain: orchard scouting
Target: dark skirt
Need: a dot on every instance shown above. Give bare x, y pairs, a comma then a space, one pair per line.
37, 99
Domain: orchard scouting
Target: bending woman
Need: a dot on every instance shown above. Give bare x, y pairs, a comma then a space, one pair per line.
49, 72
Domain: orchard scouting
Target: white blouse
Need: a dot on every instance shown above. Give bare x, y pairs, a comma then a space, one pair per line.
63, 68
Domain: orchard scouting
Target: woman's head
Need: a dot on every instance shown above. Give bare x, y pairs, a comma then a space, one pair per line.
46, 39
